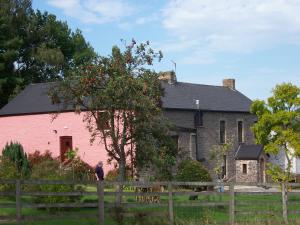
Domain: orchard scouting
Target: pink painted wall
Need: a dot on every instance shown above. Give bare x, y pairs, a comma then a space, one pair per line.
37, 132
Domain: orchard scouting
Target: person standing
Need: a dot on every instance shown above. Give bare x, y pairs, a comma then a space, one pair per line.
99, 171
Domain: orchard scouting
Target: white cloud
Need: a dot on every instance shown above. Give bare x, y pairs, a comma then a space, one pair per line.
205, 27
94, 11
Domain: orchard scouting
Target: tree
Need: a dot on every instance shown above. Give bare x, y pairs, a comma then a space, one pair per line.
35, 47
278, 126
218, 154
15, 153
120, 97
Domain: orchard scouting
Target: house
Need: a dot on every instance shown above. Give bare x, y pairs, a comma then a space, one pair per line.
204, 116
207, 115
250, 163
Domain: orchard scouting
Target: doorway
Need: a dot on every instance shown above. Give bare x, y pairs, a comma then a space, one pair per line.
262, 174
65, 145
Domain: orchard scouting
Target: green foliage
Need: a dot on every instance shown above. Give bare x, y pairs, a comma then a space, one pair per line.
8, 170
112, 175
278, 126
35, 47
130, 93
192, 170
79, 170
50, 170
217, 154
117, 213
37, 157
15, 153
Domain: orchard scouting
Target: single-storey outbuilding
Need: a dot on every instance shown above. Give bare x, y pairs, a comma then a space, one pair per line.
250, 161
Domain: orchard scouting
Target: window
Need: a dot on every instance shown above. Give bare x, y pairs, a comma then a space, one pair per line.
193, 146
222, 131
103, 120
240, 132
244, 168
198, 119
224, 166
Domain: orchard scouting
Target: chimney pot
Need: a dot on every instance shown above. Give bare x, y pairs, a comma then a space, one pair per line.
230, 83
169, 76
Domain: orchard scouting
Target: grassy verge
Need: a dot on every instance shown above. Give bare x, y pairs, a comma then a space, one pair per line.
255, 205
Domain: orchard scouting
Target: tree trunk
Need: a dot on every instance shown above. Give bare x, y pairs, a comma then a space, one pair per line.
121, 178
284, 202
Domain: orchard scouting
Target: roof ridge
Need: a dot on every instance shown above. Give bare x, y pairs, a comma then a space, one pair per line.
200, 84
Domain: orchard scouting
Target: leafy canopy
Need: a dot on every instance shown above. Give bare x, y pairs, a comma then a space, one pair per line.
35, 47
278, 125
120, 96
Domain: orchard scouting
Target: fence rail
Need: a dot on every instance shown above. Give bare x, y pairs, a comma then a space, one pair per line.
171, 191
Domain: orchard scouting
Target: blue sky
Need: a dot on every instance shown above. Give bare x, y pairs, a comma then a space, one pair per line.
256, 42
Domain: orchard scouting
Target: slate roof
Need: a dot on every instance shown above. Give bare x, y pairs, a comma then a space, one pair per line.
213, 98
249, 152
33, 99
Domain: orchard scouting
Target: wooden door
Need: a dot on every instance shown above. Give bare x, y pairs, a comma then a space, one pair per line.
65, 145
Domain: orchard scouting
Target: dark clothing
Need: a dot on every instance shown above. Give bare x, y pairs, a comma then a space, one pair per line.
99, 172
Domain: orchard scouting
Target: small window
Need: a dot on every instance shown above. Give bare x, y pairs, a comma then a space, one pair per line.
103, 120
222, 131
240, 132
244, 168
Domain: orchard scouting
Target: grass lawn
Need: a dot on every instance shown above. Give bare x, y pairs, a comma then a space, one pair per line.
253, 204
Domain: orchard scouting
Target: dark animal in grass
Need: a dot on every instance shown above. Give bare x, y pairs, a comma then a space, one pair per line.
193, 197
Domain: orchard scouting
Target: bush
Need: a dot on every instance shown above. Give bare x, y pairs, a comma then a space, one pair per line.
50, 170
8, 171
112, 175
15, 153
192, 171
79, 170
38, 157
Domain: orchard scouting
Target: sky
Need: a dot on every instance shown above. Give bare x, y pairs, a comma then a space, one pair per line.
256, 42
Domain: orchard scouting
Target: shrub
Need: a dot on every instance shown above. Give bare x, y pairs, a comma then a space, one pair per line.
79, 170
38, 157
8, 171
192, 170
50, 170
112, 175
15, 153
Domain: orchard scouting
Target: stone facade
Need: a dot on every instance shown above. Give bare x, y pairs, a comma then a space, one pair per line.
252, 171
208, 135
255, 170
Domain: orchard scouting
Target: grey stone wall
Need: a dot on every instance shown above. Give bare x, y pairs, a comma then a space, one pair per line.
252, 171
208, 134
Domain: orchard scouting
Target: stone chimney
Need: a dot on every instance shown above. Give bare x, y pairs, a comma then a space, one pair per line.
230, 83
168, 76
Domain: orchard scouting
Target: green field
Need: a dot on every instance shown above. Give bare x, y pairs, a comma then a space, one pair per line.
255, 205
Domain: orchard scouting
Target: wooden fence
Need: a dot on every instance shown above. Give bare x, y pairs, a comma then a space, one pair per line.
171, 189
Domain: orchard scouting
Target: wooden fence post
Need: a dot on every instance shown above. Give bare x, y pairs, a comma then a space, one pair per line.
100, 191
284, 202
18, 202
231, 204
171, 209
